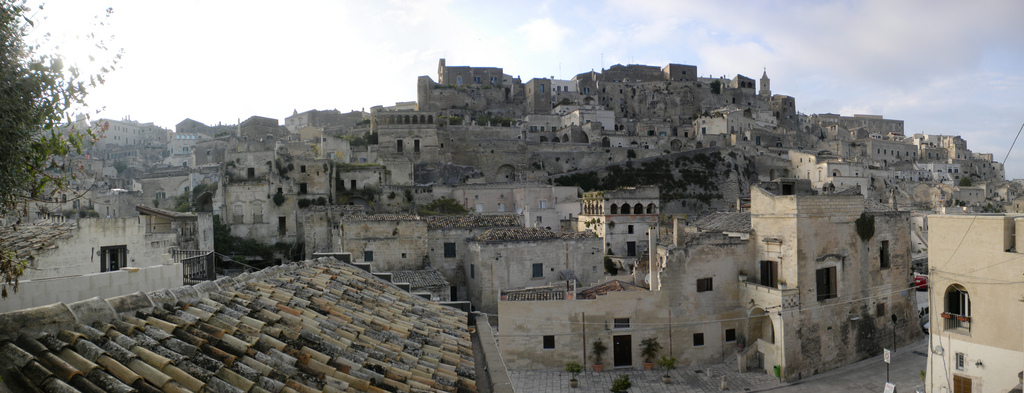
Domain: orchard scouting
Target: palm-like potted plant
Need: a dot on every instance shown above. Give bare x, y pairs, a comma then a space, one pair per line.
574, 369
668, 363
599, 350
649, 349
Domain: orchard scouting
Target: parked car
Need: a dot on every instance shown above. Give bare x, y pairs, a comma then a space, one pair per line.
921, 283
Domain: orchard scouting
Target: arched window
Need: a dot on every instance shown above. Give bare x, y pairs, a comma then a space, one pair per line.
957, 312
651, 209
625, 208
638, 209
615, 209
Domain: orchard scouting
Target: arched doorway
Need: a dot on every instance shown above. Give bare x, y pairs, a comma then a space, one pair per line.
760, 326
676, 145
505, 173
605, 142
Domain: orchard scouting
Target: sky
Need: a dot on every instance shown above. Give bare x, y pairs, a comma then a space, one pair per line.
943, 67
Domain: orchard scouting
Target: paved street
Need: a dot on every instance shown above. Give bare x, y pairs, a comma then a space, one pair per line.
864, 376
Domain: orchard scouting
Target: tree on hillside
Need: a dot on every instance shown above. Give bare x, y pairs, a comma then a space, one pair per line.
38, 140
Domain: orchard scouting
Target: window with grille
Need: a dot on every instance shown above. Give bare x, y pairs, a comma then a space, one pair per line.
621, 323
549, 342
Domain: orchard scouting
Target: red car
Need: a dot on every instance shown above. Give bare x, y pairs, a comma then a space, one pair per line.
921, 283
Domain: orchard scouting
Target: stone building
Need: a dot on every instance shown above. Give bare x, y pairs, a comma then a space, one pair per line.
974, 288
623, 218
814, 293
502, 259
75, 260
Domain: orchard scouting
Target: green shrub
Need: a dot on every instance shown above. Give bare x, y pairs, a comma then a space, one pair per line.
609, 266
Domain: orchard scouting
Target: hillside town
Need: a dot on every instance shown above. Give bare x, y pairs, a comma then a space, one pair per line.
626, 217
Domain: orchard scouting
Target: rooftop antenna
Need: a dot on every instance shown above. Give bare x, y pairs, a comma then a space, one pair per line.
602, 61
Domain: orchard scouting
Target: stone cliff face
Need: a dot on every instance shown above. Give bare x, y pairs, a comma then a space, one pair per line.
691, 183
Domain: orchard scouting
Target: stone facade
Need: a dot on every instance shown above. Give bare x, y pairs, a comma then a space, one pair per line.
524, 257
613, 216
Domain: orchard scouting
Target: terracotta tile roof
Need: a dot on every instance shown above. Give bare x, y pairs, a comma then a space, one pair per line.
26, 239
315, 326
152, 211
420, 278
725, 222
610, 286
383, 217
529, 234
551, 292
473, 221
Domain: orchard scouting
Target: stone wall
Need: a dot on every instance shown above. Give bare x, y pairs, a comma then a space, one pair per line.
44, 291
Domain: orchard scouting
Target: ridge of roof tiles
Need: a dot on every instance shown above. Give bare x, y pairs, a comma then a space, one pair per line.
725, 222
313, 326
382, 217
610, 286
26, 239
473, 221
529, 234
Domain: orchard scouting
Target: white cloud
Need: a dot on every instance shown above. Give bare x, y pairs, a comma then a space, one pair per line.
543, 34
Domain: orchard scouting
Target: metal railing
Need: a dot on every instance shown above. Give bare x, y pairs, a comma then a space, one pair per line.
957, 322
197, 266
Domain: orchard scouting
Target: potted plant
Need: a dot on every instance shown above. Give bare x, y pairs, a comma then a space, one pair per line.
962, 318
947, 315
621, 384
668, 363
573, 369
783, 284
599, 350
649, 349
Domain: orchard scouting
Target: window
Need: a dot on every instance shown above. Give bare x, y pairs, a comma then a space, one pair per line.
883, 254
630, 228
282, 226
352, 185
251, 172
416, 146
501, 207
704, 284
957, 313
367, 256
620, 323
403, 255
825, 280
302, 188
538, 270
730, 335
961, 384
698, 339
400, 145
543, 205
960, 360
472, 271
302, 169
549, 342
880, 310
449, 250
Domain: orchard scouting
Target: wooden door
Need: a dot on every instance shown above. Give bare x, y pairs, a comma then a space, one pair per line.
622, 350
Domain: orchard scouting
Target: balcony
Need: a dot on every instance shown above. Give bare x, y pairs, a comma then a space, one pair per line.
767, 297
956, 322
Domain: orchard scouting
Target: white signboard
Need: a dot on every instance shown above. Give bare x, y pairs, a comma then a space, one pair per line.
887, 356
890, 388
